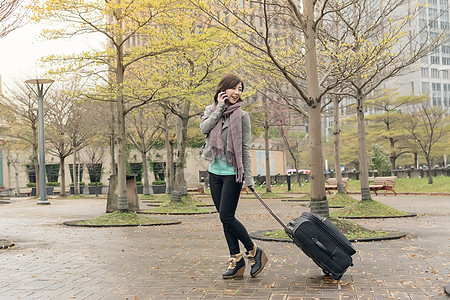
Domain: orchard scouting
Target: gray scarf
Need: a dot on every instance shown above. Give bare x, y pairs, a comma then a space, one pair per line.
234, 139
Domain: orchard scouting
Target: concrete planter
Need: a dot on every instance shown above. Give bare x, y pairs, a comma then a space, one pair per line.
92, 190
140, 189
49, 190
159, 189
72, 190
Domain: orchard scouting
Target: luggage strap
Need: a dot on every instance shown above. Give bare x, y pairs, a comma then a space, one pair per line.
287, 229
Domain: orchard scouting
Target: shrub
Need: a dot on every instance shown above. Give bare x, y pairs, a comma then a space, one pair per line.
159, 182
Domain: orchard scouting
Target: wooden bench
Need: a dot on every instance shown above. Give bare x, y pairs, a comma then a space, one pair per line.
332, 184
25, 191
197, 188
383, 184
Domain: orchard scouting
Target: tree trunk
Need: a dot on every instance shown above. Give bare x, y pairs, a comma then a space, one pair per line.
63, 176
267, 156
15, 164
121, 133
363, 166
430, 178
169, 157
337, 152
319, 202
182, 126
75, 169
112, 142
416, 160
146, 188
392, 159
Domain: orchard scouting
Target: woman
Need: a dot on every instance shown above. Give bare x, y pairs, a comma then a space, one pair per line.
227, 148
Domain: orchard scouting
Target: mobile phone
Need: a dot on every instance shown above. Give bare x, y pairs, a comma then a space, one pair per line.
225, 97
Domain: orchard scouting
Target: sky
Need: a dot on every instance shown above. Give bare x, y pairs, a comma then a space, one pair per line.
21, 50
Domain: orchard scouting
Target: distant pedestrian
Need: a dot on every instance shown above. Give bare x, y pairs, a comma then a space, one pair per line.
227, 148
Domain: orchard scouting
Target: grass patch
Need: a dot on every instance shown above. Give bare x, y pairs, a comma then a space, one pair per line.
264, 195
283, 188
352, 231
440, 184
122, 218
155, 198
187, 205
340, 199
368, 208
75, 197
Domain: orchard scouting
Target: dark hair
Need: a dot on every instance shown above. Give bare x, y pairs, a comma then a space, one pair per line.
228, 81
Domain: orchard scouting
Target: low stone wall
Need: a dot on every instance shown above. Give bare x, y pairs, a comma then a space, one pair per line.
408, 173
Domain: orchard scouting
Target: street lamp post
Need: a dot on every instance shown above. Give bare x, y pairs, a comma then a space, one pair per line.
40, 93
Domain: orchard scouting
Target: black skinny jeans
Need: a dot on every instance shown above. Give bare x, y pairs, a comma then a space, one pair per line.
225, 192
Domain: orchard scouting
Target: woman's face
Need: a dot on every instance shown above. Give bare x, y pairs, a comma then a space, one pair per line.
234, 94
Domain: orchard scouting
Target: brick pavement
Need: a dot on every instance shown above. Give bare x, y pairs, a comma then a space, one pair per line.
52, 261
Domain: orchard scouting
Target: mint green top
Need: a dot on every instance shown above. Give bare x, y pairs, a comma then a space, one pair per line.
219, 167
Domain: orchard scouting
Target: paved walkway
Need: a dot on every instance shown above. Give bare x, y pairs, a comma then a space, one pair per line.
52, 261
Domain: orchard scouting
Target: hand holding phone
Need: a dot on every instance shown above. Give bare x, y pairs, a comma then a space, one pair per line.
224, 96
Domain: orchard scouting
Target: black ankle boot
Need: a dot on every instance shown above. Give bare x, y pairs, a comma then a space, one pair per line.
257, 259
236, 266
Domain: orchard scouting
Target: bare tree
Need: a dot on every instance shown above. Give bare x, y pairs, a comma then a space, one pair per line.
71, 123
132, 33
374, 48
145, 132
13, 15
387, 123
427, 126
23, 120
93, 158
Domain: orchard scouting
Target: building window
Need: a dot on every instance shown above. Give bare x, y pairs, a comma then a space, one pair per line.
446, 94
434, 73
424, 73
445, 49
436, 94
425, 88
435, 60
446, 61
432, 17
444, 74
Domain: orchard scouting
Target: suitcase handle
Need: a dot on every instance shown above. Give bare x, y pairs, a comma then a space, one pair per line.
270, 211
321, 246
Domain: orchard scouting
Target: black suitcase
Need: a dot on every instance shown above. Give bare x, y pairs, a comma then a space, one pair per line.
320, 239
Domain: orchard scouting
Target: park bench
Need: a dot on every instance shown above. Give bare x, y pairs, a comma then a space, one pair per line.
25, 191
383, 184
332, 184
199, 188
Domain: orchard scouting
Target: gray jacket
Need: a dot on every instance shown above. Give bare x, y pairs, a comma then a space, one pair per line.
210, 119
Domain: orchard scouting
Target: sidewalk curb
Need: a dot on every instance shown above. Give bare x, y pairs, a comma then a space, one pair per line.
410, 215
393, 235
75, 224
187, 214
